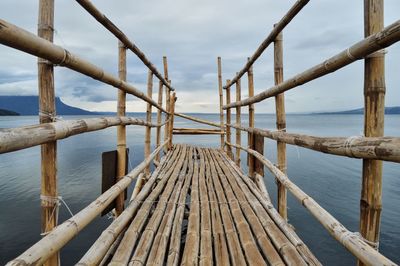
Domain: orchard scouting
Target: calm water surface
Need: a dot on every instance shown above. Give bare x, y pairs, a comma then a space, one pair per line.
332, 181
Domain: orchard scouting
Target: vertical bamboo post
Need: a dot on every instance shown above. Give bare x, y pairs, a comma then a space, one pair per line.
121, 130
259, 147
148, 120
280, 123
228, 121
47, 111
159, 114
221, 101
238, 121
171, 126
167, 101
374, 103
250, 136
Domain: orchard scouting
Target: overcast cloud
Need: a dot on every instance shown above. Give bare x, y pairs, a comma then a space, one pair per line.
192, 34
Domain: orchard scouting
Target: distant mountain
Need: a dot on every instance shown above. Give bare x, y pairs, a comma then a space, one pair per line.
4, 112
29, 105
388, 111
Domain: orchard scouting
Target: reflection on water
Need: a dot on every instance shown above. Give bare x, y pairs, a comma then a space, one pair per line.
331, 180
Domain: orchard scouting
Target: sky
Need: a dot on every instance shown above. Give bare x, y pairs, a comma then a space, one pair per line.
192, 34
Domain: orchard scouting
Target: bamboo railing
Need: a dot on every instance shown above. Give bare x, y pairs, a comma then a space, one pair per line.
373, 148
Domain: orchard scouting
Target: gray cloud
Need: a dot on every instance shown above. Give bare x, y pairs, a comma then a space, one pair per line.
192, 34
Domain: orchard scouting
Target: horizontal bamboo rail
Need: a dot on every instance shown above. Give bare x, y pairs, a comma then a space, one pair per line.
14, 139
108, 24
196, 131
20, 39
62, 234
293, 11
388, 36
352, 241
378, 148
198, 120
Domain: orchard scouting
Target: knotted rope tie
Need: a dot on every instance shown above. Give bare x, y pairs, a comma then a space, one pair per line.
56, 201
348, 144
51, 115
347, 235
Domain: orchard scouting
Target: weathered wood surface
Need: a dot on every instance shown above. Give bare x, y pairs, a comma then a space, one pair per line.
388, 36
381, 148
13, 139
196, 131
23, 40
227, 223
147, 136
198, 120
221, 99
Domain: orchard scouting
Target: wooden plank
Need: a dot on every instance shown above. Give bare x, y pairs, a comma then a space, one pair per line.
236, 254
161, 216
192, 245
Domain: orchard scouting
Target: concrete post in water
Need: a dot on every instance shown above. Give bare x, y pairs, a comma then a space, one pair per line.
374, 104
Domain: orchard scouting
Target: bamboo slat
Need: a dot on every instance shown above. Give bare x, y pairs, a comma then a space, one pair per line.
167, 98
20, 39
293, 11
171, 123
196, 131
264, 199
221, 100
159, 118
147, 138
47, 111
128, 243
14, 139
64, 232
380, 40
228, 121
161, 216
381, 148
374, 115
192, 245
236, 254
100, 17
250, 136
247, 240
121, 130
220, 248
280, 122
99, 249
174, 250
238, 121
353, 242
198, 120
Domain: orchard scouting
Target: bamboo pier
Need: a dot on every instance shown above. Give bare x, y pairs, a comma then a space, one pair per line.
203, 205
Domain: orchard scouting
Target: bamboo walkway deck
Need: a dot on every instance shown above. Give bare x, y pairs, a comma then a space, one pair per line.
199, 208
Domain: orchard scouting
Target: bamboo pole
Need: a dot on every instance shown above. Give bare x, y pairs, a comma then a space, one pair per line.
14, 139
280, 122
221, 100
352, 241
171, 123
47, 112
228, 121
374, 114
147, 140
238, 121
15, 37
92, 10
250, 136
196, 131
63, 233
293, 11
159, 114
375, 42
198, 120
167, 99
121, 130
380, 148
115, 230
